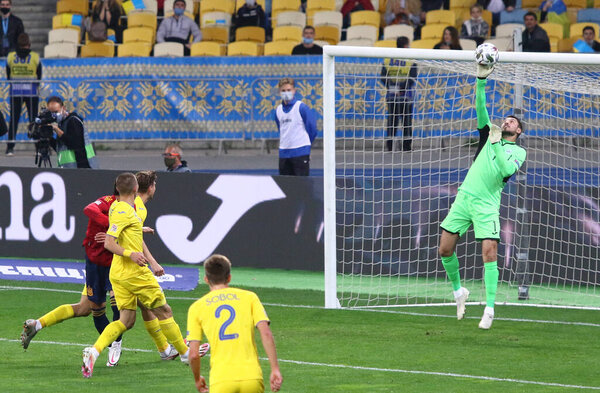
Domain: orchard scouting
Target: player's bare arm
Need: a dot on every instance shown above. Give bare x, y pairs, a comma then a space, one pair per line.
156, 268
269, 345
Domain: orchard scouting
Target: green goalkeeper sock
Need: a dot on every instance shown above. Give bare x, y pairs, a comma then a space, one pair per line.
451, 265
491, 282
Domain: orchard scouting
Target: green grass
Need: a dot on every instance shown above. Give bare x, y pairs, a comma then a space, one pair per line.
424, 339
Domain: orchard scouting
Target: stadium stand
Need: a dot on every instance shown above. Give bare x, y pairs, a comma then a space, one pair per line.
291, 18
168, 49
226, 6
553, 29
215, 18
139, 34
287, 33
63, 35
215, 33
243, 48
275, 48
445, 17
368, 18
250, 33
279, 6
433, 31
427, 43
576, 29
207, 48
60, 50
531, 4
314, 6
515, 16
363, 32
142, 19
462, 3
98, 49
507, 29
588, 15
394, 31
80, 7
575, 3
328, 18
331, 34
134, 49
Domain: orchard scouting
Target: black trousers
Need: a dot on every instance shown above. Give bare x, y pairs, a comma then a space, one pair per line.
399, 115
295, 166
16, 104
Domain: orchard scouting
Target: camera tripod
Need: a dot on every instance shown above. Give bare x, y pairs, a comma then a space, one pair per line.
42, 154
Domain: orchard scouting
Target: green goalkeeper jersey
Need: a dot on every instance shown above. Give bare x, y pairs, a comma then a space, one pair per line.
494, 163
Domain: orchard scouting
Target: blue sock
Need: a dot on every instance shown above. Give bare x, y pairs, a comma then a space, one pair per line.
100, 319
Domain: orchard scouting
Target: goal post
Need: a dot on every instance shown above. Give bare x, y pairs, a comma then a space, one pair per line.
384, 200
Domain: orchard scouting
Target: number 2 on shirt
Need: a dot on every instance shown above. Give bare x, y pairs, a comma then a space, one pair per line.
222, 335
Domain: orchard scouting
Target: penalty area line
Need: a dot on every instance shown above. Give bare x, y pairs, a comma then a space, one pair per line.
362, 368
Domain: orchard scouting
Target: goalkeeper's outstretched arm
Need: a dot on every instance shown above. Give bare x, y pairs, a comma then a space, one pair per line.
483, 119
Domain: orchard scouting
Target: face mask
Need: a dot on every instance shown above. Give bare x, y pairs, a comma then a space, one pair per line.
178, 11
307, 41
287, 96
58, 116
5, 10
169, 162
250, 3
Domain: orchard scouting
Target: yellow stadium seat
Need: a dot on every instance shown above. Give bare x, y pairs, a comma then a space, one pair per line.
534, 4
566, 44
287, 33
142, 19
60, 50
138, 34
134, 49
553, 29
243, 48
444, 17
385, 44
216, 18
325, 5
168, 8
362, 32
279, 48
58, 22
596, 3
227, 6
168, 49
462, 4
80, 7
331, 34
394, 31
250, 33
575, 3
285, 5
290, 18
240, 3
98, 49
215, 33
554, 44
371, 18
427, 43
63, 35
577, 29
433, 31
207, 48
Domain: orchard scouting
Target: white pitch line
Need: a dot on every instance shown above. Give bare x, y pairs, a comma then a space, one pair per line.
361, 368
417, 314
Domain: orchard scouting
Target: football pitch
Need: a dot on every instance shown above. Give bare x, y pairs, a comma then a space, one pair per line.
417, 349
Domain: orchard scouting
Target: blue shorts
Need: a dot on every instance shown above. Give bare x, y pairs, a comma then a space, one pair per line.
97, 281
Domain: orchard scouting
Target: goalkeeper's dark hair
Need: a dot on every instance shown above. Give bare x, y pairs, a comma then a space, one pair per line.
217, 269
518, 122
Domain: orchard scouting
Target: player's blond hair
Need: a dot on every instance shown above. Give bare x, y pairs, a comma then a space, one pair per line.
217, 269
286, 81
126, 183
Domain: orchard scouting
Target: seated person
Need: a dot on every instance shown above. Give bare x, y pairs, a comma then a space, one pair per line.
449, 39
402, 12
475, 28
178, 28
535, 39
108, 12
250, 14
354, 5
555, 11
589, 39
308, 47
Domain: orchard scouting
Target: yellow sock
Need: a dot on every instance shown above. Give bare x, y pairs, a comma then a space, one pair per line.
171, 331
154, 330
57, 315
110, 333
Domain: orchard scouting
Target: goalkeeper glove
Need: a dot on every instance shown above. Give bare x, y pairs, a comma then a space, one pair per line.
495, 134
484, 71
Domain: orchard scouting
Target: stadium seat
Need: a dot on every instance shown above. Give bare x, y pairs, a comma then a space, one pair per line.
507, 29
58, 22
98, 49
363, 32
279, 48
553, 29
328, 18
462, 3
215, 33
369, 18
502, 43
80, 7
314, 6
250, 33
207, 48
433, 31
243, 48
168, 8
385, 44
321, 43
226, 6
589, 15
142, 19
331, 34
240, 3
596, 3
149, 6
168, 49
134, 49
575, 3
515, 16
138, 34
467, 44
531, 4
576, 29
287, 33
554, 43
394, 31
427, 43
444, 17
63, 35
291, 18
356, 42
279, 6
60, 50
216, 18
565, 45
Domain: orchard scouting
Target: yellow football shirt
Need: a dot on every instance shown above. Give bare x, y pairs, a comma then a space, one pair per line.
140, 209
126, 227
227, 317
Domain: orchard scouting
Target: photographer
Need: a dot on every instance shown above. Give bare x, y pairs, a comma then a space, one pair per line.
73, 144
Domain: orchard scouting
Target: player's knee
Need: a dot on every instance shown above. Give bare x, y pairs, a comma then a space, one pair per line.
445, 250
82, 309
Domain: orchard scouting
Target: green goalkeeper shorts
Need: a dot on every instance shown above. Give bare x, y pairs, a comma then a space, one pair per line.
467, 209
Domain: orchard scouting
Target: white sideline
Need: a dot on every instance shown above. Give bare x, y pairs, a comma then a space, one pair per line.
377, 369
570, 323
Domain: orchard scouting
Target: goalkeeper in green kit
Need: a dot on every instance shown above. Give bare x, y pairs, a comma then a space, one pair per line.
478, 199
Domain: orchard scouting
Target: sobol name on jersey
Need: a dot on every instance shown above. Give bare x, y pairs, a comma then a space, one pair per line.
221, 298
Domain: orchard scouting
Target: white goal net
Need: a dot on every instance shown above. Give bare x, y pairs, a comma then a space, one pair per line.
392, 171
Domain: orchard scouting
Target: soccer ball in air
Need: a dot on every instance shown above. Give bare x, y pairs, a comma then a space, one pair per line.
486, 54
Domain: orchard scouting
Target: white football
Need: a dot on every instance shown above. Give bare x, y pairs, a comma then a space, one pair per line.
486, 54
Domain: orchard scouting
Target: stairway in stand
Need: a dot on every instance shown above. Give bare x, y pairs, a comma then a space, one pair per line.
37, 19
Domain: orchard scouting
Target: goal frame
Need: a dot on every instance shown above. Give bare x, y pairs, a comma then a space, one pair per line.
329, 139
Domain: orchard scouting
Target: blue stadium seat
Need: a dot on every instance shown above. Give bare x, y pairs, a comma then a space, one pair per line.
588, 15
515, 16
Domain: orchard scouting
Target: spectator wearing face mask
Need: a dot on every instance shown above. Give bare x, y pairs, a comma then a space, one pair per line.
179, 28
12, 27
308, 46
250, 14
297, 127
